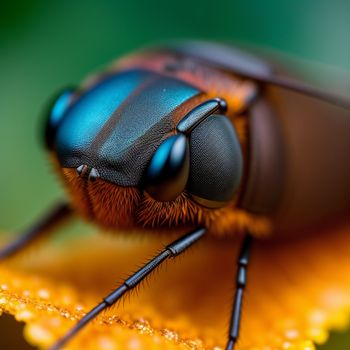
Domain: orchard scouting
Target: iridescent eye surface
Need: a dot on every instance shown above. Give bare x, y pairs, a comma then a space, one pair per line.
216, 162
167, 173
57, 109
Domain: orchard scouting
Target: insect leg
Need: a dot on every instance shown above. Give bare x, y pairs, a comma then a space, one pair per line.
171, 251
241, 281
56, 215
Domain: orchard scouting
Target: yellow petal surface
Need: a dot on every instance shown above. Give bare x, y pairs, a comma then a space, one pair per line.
298, 290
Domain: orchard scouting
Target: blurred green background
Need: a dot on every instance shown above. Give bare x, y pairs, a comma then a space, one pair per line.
46, 45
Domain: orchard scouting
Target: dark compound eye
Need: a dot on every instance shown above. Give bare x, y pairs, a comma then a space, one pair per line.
57, 109
216, 164
167, 173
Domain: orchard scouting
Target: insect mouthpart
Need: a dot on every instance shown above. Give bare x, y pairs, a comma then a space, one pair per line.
85, 171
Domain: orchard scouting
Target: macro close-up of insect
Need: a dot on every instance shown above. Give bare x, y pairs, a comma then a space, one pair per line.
198, 136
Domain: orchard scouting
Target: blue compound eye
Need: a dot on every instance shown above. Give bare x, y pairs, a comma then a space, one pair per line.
167, 173
57, 109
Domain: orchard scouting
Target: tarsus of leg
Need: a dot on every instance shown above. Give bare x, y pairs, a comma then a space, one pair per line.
170, 251
241, 281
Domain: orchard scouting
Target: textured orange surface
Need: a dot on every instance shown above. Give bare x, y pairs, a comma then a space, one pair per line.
298, 290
